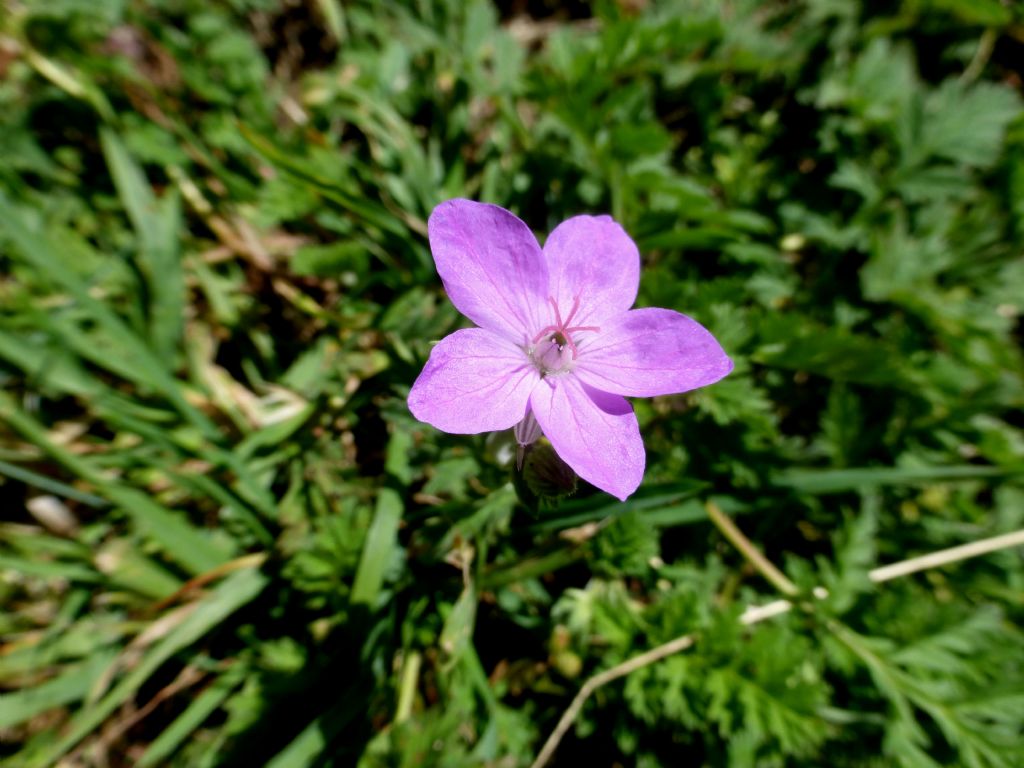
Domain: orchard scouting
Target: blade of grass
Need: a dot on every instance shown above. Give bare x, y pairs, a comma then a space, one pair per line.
49, 569
206, 485
349, 200
51, 366
156, 222
653, 502
78, 640
379, 548
816, 481
95, 346
33, 543
246, 489
38, 250
235, 591
150, 423
72, 81
531, 568
185, 445
128, 568
50, 485
187, 545
72, 685
334, 15
311, 744
47, 367
171, 738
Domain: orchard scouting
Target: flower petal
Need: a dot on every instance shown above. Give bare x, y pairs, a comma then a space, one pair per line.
475, 381
595, 433
592, 257
647, 352
491, 266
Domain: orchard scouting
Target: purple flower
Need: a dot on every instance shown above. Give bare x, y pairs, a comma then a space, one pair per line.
557, 341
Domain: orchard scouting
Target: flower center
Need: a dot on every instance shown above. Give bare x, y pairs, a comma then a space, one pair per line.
553, 349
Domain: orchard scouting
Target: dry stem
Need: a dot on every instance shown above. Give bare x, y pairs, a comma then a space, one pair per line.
755, 614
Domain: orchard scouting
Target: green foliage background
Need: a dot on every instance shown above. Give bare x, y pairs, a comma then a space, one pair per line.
225, 541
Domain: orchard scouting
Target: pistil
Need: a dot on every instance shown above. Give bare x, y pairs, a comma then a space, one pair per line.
559, 336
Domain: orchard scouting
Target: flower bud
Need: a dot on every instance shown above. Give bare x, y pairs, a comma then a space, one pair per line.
546, 475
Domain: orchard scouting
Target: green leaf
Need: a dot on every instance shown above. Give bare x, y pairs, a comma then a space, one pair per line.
185, 724
990, 13
457, 634
842, 480
157, 224
379, 550
967, 124
204, 617
800, 344
306, 749
39, 250
181, 541
72, 685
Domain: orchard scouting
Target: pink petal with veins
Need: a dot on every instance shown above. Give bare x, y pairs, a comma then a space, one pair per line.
491, 266
475, 381
648, 352
593, 432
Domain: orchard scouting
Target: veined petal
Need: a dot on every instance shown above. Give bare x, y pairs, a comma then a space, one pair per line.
491, 266
593, 258
647, 352
475, 381
594, 433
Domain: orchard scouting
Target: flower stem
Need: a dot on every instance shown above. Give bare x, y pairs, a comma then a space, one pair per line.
407, 690
753, 555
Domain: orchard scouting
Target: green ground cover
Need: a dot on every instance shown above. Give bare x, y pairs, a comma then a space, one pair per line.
225, 540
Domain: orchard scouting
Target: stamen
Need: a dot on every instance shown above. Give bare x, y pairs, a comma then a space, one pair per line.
558, 315
560, 332
572, 344
544, 332
575, 306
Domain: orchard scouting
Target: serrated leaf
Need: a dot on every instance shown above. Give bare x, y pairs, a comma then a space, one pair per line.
966, 124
